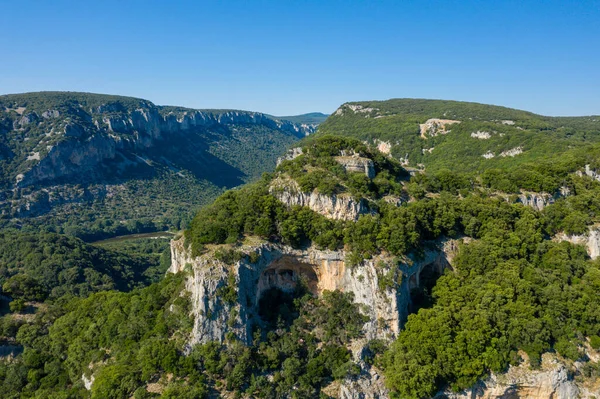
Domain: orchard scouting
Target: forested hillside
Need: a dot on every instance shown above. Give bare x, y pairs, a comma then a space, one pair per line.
460, 136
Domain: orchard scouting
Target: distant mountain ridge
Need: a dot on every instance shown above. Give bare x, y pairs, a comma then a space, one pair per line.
312, 118
50, 141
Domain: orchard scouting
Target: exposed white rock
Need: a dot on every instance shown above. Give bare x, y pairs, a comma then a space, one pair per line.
537, 201
369, 384
481, 135
27, 119
385, 303
34, 157
552, 381
341, 207
356, 108
427, 150
433, 127
508, 122
87, 382
361, 109
384, 147
292, 153
512, 152
358, 164
138, 129
591, 240
404, 160
488, 155
591, 173
51, 113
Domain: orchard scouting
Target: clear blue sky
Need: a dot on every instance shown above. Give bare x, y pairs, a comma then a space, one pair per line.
289, 57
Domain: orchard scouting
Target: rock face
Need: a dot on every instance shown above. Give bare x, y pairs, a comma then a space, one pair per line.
383, 293
292, 153
537, 201
591, 173
357, 164
591, 241
433, 127
513, 152
552, 381
85, 145
385, 147
369, 384
481, 135
341, 207
381, 286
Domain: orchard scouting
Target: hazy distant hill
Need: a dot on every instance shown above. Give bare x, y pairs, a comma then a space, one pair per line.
59, 150
313, 118
460, 136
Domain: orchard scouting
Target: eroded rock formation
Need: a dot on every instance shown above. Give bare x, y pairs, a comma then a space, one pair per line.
553, 380
591, 240
381, 285
335, 206
537, 201
433, 127
291, 154
357, 164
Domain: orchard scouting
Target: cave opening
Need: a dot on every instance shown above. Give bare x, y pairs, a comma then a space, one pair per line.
279, 287
421, 284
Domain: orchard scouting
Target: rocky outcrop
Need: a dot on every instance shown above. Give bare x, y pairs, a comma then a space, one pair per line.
335, 206
380, 285
385, 147
481, 135
282, 267
553, 381
355, 108
369, 384
591, 240
291, 154
357, 164
588, 171
537, 201
433, 127
71, 156
513, 152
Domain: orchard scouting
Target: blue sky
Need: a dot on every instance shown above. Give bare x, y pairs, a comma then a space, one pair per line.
290, 57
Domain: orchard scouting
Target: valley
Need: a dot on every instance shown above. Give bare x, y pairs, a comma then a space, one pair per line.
96, 166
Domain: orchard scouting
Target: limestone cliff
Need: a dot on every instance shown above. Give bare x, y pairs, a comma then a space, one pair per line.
358, 164
84, 144
282, 266
334, 206
554, 380
537, 201
381, 286
591, 240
